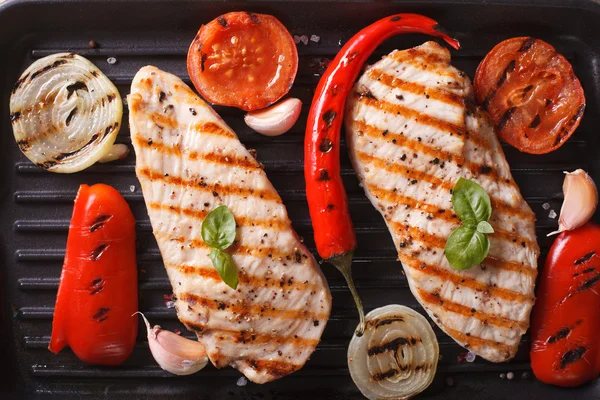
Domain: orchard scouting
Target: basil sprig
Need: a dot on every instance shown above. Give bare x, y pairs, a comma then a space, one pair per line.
468, 245
218, 231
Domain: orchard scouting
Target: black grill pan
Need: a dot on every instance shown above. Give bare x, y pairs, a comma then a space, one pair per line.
35, 206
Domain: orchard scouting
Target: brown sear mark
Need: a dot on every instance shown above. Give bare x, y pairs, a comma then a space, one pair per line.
526, 45
475, 342
253, 17
505, 118
536, 122
15, 116
100, 315
510, 67
323, 175
390, 373
325, 146
222, 21
203, 58
24, 145
47, 68
392, 345
395, 18
376, 323
99, 222
585, 258
273, 367
566, 129
97, 286
328, 117
561, 334
572, 356
98, 251
19, 82
212, 128
62, 156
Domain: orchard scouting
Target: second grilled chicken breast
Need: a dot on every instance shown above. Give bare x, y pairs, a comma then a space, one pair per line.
413, 131
189, 162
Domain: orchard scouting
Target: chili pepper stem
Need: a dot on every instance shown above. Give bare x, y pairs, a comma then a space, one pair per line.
344, 264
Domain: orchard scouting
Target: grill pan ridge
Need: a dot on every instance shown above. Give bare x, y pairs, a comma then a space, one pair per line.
35, 206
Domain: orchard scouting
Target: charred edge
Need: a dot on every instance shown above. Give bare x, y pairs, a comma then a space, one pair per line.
47, 164
99, 222
253, 17
14, 117
328, 117
585, 258
47, 68
97, 286
509, 68
395, 18
536, 122
70, 116
23, 145
203, 57
382, 322
111, 97
505, 118
97, 252
485, 169
109, 129
19, 83
101, 314
526, 45
572, 356
325, 146
565, 130
62, 156
222, 21
75, 87
378, 377
392, 345
323, 176
563, 333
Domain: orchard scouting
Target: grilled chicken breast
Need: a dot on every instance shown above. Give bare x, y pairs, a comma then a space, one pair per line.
412, 131
189, 162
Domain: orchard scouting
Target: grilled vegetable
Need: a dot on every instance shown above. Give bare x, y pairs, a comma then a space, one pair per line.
531, 93
65, 113
327, 201
565, 350
243, 60
97, 295
174, 353
397, 356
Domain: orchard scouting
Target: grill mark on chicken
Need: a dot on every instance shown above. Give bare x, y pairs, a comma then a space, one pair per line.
457, 308
274, 224
260, 310
421, 118
413, 174
163, 121
214, 188
212, 128
472, 341
426, 62
416, 88
236, 249
463, 280
274, 367
254, 281
252, 337
193, 155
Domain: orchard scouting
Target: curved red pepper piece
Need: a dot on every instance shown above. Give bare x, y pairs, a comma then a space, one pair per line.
327, 201
565, 349
97, 295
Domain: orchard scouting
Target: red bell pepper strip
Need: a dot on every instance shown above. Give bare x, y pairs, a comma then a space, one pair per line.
97, 295
565, 348
327, 201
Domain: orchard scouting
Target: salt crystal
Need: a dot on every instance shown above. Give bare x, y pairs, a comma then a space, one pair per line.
510, 376
470, 357
242, 381
304, 39
170, 304
132, 188
315, 38
552, 214
546, 206
111, 60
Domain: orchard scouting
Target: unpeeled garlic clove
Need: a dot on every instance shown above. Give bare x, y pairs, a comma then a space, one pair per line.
175, 354
581, 200
116, 152
275, 120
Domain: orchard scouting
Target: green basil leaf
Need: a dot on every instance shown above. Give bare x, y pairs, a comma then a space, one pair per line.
484, 227
218, 228
466, 248
471, 202
223, 263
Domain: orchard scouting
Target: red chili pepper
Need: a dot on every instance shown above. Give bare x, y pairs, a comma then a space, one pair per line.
97, 295
327, 201
565, 349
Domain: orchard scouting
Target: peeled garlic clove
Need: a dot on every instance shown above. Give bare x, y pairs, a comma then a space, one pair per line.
581, 199
116, 152
275, 120
175, 354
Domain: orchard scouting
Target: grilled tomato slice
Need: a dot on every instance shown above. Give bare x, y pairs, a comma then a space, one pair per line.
531, 93
243, 60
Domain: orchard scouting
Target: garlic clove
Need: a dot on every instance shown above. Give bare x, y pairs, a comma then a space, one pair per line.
175, 354
581, 200
116, 152
275, 120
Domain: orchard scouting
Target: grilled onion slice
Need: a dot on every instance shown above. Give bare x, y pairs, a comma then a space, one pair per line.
396, 357
65, 113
